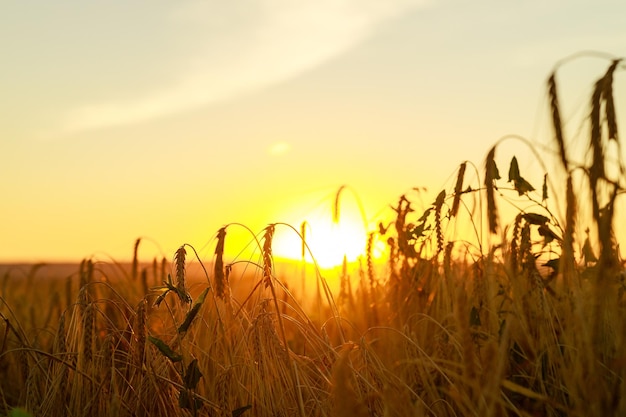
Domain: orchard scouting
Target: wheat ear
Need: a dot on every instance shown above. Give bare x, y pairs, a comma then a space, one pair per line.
607, 94
267, 254
556, 119
87, 334
179, 260
135, 267
458, 190
438, 227
491, 174
140, 333
218, 269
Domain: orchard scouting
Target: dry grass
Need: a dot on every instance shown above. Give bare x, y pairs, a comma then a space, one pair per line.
524, 326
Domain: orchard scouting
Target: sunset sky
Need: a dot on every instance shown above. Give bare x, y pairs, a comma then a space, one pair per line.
167, 120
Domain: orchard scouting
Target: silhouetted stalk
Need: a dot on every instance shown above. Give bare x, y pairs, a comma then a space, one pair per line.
458, 190
491, 174
218, 268
556, 120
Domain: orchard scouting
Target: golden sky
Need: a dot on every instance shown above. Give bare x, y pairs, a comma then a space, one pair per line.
167, 120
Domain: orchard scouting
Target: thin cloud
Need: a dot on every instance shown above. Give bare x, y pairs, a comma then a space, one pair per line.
278, 148
264, 44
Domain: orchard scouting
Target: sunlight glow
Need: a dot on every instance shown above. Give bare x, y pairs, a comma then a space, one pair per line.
327, 241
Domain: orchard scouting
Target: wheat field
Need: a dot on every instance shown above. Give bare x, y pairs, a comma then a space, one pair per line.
527, 320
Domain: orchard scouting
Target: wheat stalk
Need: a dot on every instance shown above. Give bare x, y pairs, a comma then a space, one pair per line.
371, 274
336, 211
491, 174
144, 280
224, 391
525, 247
344, 397
458, 190
462, 315
135, 266
140, 332
303, 227
515, 237
218, 269
607, 94
60, 340
86, 278
87, 334
267, 254
596, 171
438, 228
179, 261
556, 120
567, 263
155, 271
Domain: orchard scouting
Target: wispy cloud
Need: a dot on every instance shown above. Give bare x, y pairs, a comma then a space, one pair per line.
267, 42
278, 148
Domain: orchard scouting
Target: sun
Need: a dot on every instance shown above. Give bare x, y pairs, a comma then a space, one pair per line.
330, 242
327, 241
333, 228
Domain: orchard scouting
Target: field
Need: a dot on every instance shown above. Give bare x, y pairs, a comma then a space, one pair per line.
526, 319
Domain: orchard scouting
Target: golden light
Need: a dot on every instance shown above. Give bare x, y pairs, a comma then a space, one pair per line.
327, 242
330, 233
318, 227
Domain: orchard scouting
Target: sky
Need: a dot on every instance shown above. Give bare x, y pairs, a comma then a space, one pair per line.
168, 120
